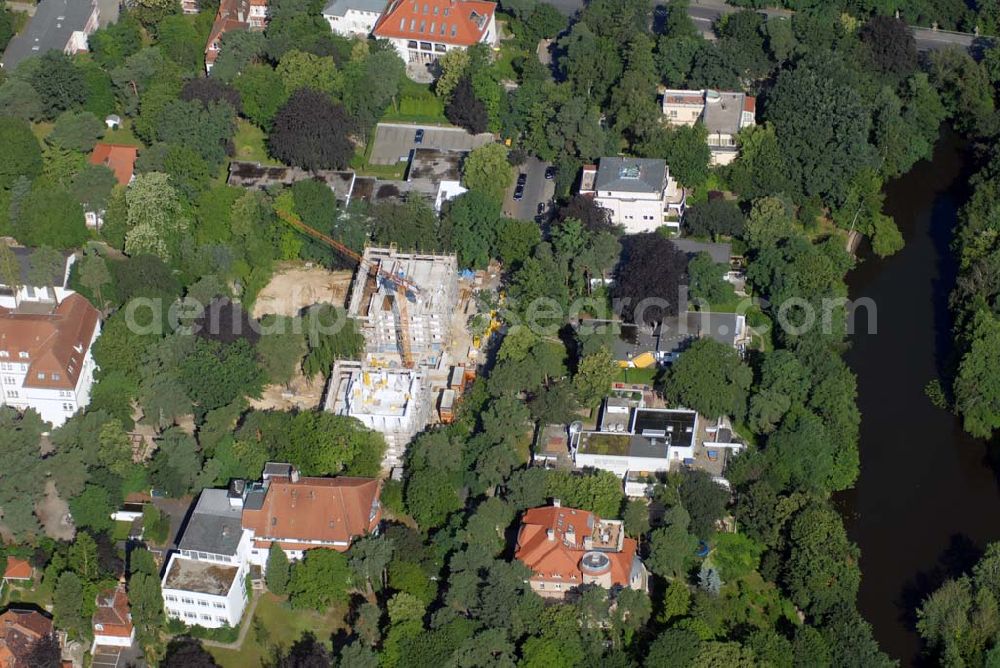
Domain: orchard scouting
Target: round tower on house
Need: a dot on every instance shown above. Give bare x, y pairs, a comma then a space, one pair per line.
596, 568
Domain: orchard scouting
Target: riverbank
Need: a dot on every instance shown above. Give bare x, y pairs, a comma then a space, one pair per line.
926, 501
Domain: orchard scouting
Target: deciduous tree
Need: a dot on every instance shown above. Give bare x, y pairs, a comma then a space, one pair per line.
311, 131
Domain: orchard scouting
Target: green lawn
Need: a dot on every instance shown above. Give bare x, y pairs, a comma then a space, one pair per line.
417, 103
120, 532
733, 303
37, 594
123, 135
641, 376
277, 625
249, 143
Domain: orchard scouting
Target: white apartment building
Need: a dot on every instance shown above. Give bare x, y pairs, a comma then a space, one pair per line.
632, 438
53, 291
230, 533
723, 113
640, 443
353, 18
45, 356
423, 30
639, 193
204, 582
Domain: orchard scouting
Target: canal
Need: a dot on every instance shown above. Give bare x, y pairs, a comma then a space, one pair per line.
927, 500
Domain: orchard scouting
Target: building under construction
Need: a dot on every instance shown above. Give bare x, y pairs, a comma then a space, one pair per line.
393, 402
414, 334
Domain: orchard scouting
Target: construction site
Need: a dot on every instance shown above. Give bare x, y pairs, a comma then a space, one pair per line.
413, 311
404, 303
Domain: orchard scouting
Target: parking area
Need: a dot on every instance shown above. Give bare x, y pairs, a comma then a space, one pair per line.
537, 190
393, 141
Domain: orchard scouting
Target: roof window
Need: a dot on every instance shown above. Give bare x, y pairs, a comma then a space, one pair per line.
629, 172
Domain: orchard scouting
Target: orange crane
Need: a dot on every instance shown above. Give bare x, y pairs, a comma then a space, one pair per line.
403, 289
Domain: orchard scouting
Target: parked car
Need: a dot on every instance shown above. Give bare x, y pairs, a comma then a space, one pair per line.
519, 193
522, 178
418, 137
550, 172
541, 208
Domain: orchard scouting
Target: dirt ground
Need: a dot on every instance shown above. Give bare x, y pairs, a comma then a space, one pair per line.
52, 512
296, 287
302, 394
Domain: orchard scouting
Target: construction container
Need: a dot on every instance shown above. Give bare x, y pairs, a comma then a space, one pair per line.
446, 406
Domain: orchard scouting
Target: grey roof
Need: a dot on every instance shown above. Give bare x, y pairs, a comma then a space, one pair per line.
255, 176
674, 334
661, 424
23, 257
719, 252
215, 526
723, 113
50, 28
679, 331
340, 7
637, 175
435, 165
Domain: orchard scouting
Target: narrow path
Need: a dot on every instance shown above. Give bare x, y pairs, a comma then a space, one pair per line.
244, 627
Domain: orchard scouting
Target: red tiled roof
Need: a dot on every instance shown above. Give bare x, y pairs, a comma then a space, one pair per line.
559, 558
19, 629
458, 22
118, 157
328, 510
17, 569
750, 104
56, 343
112, 614
232, 15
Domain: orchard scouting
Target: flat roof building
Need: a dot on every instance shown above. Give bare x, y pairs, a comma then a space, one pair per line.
58, 25
639, 193
723, 113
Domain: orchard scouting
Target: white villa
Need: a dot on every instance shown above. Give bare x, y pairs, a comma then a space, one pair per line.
639, 193
423, 30
353, 18
724, 114
231, 531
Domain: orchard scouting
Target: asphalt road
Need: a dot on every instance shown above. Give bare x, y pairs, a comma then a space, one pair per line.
536, 189
705, 12
393, 141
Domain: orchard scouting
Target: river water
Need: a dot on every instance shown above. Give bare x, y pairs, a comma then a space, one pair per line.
927, 500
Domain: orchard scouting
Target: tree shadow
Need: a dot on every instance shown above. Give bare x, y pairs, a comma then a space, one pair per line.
957, 559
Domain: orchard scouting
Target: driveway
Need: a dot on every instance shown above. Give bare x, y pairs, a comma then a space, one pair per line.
536, 189
393, 141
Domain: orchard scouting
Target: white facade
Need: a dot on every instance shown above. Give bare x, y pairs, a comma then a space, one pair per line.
55, 406
113, 641
354, 22
639, 194
723, 113
428, 50
206, 589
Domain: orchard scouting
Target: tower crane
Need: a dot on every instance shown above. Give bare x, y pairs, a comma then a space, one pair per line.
403, 289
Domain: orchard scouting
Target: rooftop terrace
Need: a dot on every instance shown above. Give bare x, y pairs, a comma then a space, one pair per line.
202, 577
